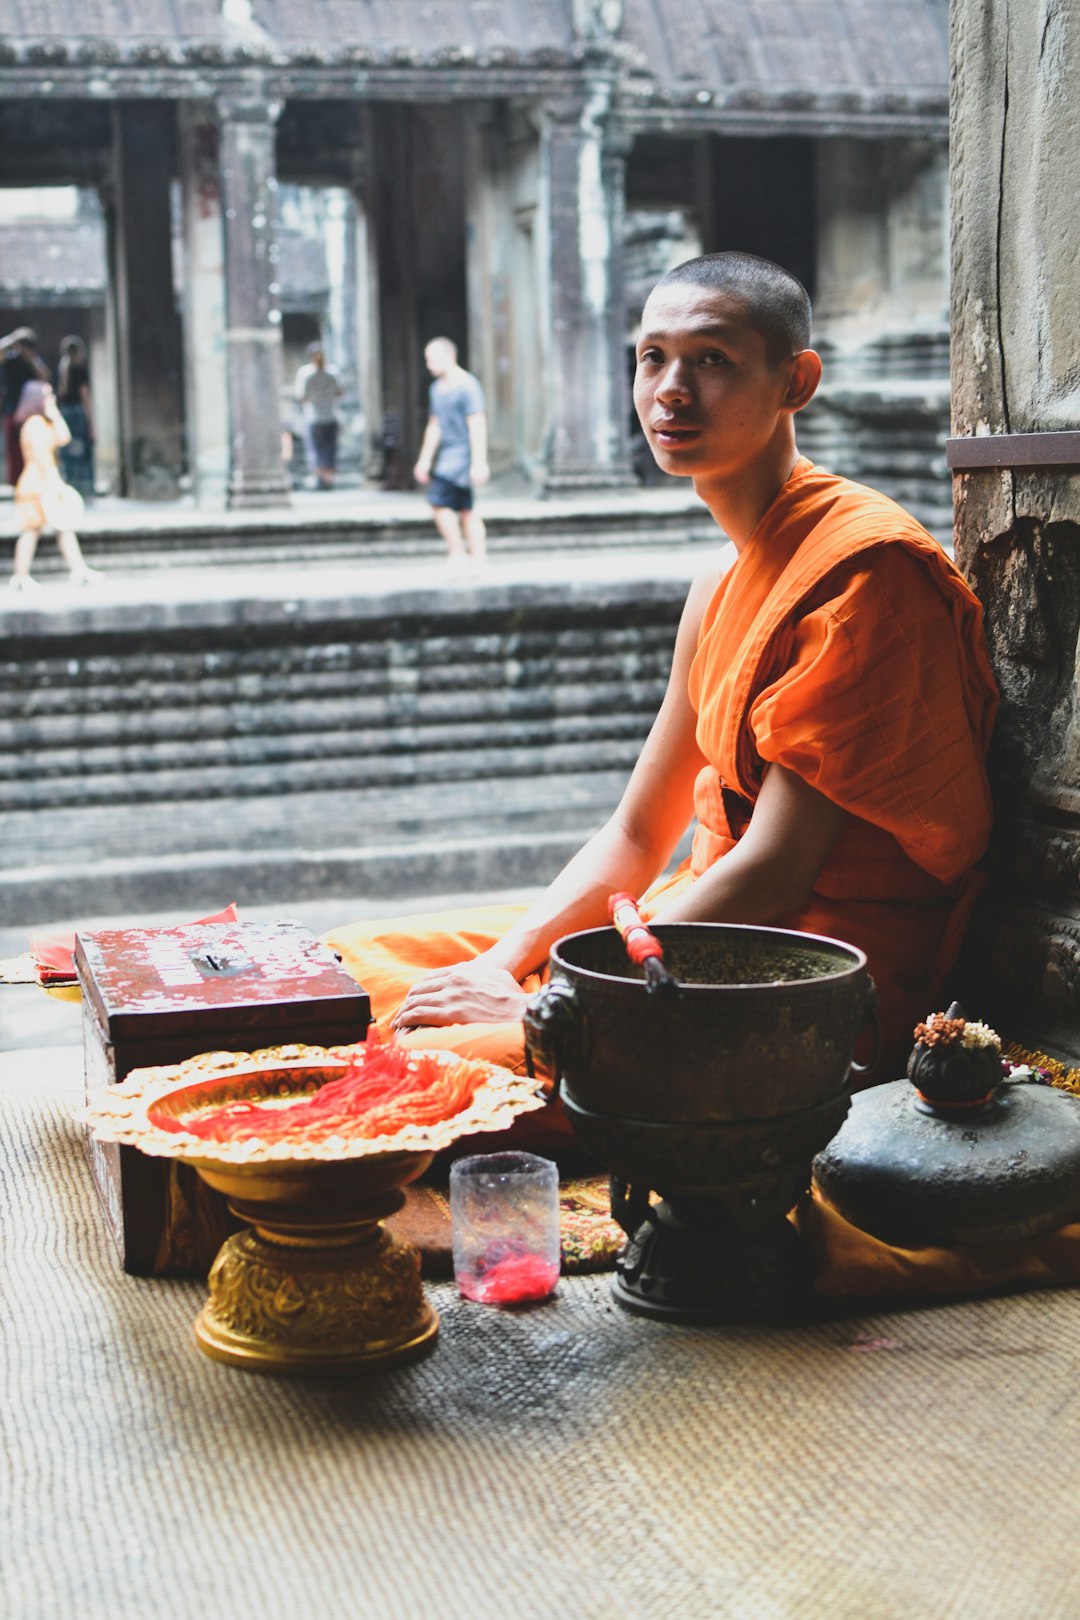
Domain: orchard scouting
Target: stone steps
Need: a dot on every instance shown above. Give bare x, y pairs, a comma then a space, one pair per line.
392, 742
894, 443
383, 530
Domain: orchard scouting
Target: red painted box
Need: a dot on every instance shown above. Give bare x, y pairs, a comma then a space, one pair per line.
158, 995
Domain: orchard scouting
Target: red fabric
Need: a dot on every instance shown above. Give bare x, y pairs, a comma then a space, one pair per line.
54, 954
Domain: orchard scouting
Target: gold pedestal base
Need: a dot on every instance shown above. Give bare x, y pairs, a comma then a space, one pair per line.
318, 1298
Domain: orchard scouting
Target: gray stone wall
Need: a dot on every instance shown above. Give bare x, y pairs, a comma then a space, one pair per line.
1016, 369
414, 741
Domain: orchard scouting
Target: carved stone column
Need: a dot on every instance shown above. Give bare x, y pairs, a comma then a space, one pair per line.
389, 155
206, 372
587, 405
1016, 361
150, 365
253, 331
368, 332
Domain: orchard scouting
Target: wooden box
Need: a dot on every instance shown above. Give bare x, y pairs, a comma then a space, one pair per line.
158, 995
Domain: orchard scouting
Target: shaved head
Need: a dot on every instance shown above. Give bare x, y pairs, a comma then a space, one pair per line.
777, 305
442, 346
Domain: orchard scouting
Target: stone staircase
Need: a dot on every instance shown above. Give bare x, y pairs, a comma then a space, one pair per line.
358, 737
363, 528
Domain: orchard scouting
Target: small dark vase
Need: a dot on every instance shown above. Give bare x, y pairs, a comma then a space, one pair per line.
954, 1076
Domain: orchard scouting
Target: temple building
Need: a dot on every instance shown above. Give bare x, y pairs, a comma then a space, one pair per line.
512, 176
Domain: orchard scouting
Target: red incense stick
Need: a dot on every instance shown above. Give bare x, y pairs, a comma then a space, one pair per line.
642, 946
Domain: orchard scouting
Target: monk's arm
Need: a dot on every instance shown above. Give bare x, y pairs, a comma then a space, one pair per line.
775, 864
628, 852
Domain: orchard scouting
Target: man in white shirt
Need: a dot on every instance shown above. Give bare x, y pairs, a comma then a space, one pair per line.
318, 390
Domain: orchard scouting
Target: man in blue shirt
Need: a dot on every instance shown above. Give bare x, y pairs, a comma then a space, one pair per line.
453, 454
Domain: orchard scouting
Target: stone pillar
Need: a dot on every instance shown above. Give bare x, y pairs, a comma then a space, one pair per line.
149, 359
365, 260
852, 269
393, 278
617, 148
588, 439
1016, 365
253, 334
489, 223
205, 369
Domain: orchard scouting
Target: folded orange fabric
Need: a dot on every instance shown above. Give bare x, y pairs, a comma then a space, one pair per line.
54, 954
853, 1265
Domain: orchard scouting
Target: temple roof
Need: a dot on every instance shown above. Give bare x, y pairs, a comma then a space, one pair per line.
63, 258
690, 55
394, 32
793, 51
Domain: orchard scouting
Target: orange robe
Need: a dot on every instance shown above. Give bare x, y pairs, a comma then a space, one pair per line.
844, 645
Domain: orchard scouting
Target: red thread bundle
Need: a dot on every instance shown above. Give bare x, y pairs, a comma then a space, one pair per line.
384, 1088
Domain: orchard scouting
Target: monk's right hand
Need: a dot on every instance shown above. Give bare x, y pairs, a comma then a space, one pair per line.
469, 993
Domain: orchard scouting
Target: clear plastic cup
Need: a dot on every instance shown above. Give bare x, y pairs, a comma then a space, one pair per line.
504, 1219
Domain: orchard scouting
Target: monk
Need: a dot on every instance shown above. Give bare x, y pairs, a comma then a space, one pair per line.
826, 720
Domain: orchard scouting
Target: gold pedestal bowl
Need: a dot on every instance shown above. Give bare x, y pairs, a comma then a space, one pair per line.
314, 1284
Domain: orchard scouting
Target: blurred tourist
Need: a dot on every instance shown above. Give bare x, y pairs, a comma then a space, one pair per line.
453, 452
42, 499
318, 390
76, 407
20, 363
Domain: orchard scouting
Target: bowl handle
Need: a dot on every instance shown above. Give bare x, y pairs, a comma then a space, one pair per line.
875, 1025
554, 1031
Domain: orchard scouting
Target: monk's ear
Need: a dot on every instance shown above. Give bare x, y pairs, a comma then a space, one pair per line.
804, 374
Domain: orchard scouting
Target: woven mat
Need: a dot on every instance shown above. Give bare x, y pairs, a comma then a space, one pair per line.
570, 1460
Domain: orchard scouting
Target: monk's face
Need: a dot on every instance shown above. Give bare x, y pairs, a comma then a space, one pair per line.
709, 399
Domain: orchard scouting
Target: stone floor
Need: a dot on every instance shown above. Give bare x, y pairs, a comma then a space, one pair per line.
571, 1459
567, 1460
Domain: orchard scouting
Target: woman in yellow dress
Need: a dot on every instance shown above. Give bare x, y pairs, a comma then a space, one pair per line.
42, 499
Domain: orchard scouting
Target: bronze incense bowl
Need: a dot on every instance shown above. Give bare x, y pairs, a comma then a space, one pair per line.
715, 1097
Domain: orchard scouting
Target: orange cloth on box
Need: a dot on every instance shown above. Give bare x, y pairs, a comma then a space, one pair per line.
387, 956
844, 645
